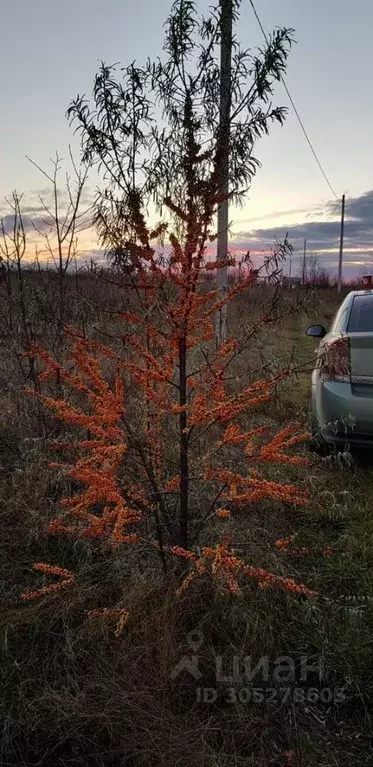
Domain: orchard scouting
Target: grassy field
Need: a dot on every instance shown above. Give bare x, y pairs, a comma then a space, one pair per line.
72, 694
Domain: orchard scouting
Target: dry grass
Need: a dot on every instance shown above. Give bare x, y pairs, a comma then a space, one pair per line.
73, 694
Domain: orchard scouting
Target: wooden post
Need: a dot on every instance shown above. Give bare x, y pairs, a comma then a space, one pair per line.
341, 245
226, 24
304, 262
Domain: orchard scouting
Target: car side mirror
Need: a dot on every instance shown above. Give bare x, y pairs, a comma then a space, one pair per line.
316, 331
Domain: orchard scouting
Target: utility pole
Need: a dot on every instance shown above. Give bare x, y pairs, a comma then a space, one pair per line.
226, 26
304, 262
341, 245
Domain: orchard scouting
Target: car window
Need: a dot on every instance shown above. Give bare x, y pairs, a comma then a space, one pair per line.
340, 319
361, 317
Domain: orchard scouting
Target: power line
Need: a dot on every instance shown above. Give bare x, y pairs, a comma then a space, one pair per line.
295, 109
333, 212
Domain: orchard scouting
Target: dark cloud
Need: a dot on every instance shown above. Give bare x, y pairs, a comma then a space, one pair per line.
8, 222
33, 204
33, 209
323, 235
320, 235
30, 223
358, 208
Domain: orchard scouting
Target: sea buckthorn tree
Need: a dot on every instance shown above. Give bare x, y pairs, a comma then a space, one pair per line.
168, 450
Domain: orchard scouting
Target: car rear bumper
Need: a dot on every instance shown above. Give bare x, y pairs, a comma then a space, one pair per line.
343, 412
351, 438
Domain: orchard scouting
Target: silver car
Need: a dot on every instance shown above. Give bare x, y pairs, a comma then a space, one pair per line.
342, 381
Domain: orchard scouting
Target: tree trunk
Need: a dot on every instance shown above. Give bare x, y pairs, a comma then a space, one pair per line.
184, 478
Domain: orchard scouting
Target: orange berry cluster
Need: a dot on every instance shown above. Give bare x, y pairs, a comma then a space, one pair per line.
224, 567
120, 615
223, 513
98, 468
273, 451
68, 578
244, 490
283, 544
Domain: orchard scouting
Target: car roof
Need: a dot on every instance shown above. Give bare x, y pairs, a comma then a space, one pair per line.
368, 292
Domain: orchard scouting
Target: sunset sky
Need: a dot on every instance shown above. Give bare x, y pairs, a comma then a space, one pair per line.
50, 51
